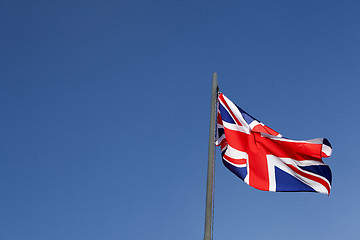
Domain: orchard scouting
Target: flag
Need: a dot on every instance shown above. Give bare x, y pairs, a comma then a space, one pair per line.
266, 160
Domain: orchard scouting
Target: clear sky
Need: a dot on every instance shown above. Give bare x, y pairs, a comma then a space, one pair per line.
105, 115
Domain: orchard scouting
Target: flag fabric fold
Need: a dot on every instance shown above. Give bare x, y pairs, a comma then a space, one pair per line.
266, 160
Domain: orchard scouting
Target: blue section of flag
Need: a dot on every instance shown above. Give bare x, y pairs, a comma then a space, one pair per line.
221, 131
326, 142
225, 115
288, 183
246, 116
321, 170
240, 172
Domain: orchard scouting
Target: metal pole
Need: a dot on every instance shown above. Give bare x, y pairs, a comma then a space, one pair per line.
211, 154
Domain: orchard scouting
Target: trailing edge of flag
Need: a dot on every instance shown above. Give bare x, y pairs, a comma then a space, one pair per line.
266, 160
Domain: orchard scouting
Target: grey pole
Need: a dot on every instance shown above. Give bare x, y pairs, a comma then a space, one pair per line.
211, 154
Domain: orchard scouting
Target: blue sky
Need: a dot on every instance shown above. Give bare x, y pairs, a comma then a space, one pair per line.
105, 114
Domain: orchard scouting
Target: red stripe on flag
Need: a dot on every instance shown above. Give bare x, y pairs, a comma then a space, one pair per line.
264, 129
235, 161
295, 150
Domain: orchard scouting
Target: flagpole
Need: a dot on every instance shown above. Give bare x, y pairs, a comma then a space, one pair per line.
211, 154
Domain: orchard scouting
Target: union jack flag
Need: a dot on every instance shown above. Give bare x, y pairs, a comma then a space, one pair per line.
266, 160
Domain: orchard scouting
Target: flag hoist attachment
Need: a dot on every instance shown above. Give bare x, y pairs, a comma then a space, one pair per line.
211, 156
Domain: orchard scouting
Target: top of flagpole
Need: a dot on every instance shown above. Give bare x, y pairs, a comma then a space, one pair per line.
215, 82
